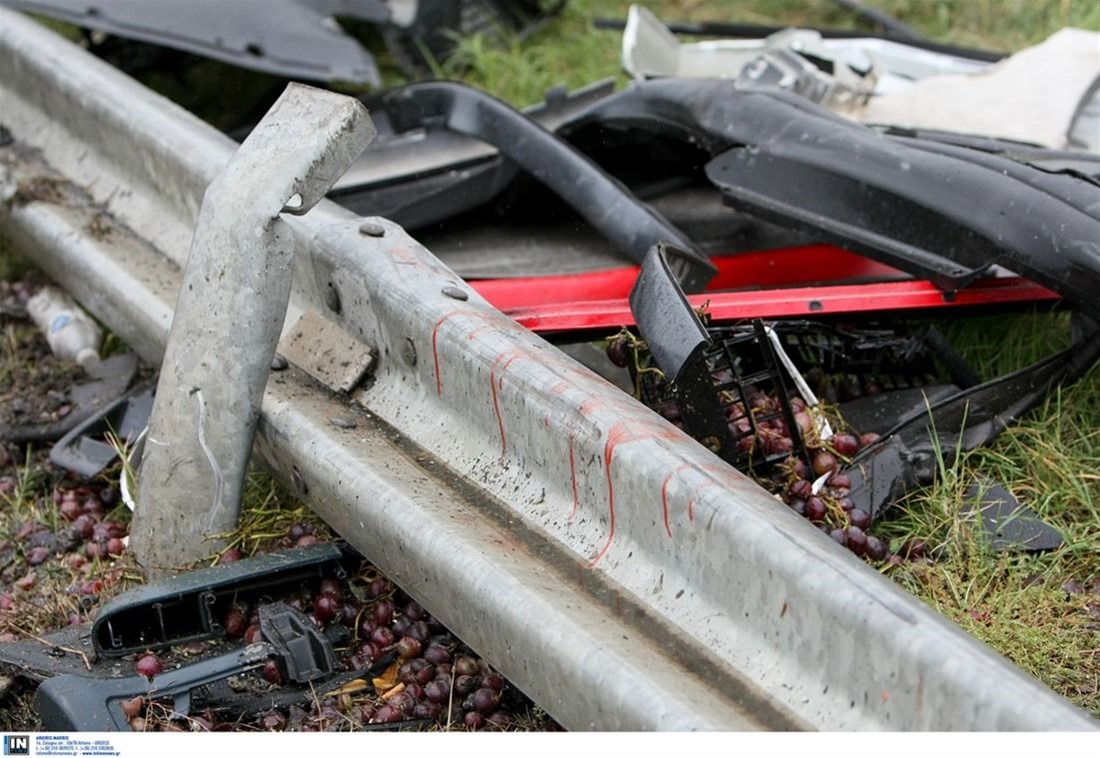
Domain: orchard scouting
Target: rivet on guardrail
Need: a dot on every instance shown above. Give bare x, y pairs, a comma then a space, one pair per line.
455, 293
372, 229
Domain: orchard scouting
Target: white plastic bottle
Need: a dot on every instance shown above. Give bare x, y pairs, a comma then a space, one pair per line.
70, 332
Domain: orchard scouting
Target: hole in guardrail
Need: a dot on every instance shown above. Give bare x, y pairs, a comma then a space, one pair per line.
293, 204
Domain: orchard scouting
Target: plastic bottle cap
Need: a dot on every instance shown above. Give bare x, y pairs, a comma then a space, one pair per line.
87, 356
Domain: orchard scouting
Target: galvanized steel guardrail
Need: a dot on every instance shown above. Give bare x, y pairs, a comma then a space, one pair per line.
610, 566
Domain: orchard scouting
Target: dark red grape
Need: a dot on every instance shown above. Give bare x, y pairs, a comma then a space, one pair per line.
493, 681
801, 489
815, 509
273, 673
325, 607
115, 546
400, 626
84, 525
466, 684
232, 555
876, 548
617, 352
70, 510
383, 613
845, 444
425, 675
298, 530
839, 536
332, 587
236, 623
382, 636
253, 634
37, 555
857, 540
409, 671
859, 518
437, 691
419, 631
465, 666
474, 720
348, 614
402, 701
436, 654
868, 439
485, 700
839, 481
376, 588
426, 710
387, 714
148, 665
824, 462
407, 647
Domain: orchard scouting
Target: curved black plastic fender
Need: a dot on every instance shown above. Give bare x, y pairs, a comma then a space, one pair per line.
939, 211
604, 202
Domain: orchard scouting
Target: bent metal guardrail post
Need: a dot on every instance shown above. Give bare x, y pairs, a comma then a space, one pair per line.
228, 317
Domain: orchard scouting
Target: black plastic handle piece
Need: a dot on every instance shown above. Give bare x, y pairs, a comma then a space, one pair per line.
605, 203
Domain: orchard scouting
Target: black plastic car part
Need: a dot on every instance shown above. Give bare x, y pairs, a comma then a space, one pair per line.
83, 703
292, 38
939, 211
191, 606
86, 451
707, 372
908, 454
630, 224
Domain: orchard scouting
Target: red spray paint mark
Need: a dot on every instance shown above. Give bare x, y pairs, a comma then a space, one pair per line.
475, 333
573, 479
622, 432
664, 503
691, 499
560, 388
435, 340
494, 385
664, 494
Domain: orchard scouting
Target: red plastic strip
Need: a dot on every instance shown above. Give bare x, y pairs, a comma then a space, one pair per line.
791, 302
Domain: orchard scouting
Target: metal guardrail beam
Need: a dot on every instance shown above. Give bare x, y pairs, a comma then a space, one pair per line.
609, 565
